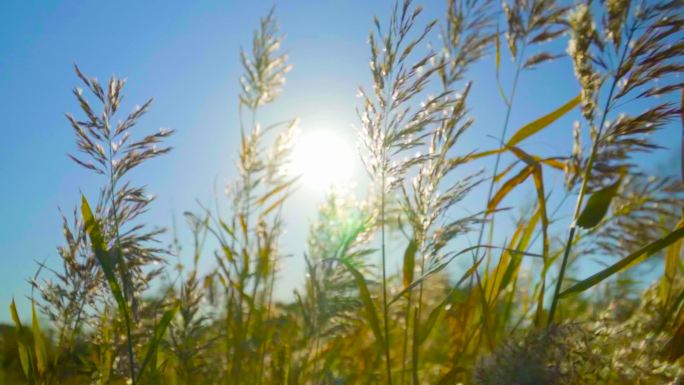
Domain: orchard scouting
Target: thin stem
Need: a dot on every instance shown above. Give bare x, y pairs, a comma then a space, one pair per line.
243, 326
115, 215
407, 318
585, 181
498, 155
316, 357
497, 162
315, 309
388, 365
416, 324
414, 346
268, 315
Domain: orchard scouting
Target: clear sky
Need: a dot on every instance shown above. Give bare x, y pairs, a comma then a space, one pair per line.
185, 55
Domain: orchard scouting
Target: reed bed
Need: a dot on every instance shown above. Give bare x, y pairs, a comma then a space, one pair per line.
520, 312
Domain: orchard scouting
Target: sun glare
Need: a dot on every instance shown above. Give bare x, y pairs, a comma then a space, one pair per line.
323, 159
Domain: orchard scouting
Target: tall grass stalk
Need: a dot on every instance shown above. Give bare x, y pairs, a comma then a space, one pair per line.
117, 245
490, 191
389, 126
529, 24
383, 257
467, 33
586, 176
640, 38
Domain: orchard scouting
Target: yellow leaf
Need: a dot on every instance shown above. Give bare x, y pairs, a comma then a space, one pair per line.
493, 278
498, 52
537, 125
672, 254
508, 187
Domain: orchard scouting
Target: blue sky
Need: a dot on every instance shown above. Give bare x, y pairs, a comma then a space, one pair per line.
185, 54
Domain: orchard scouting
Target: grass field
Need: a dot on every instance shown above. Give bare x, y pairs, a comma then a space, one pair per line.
522, 311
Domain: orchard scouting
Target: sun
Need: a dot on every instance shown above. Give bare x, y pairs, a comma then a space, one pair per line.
323, 159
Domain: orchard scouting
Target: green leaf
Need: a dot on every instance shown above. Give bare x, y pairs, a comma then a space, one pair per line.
629, 260
38, 342
371, 313
409, 262
99, 247
539, 124
159, 332
24, 352
597, 206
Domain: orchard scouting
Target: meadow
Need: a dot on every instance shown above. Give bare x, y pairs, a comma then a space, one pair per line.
520, 309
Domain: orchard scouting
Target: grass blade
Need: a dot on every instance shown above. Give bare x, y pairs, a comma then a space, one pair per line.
512, 270
444, 264
22, 346
672, 254
38, 342
539, 124
497, 58
409, 262
432, 320
99, 247
497, 61
507, 187
272, 192
159, 332
597, 206
629, 260
371, 312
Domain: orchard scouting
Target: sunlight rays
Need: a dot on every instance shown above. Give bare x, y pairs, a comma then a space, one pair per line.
323, 159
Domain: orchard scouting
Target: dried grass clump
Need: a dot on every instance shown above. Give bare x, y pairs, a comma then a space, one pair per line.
638, 347
611, 350
559, 354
